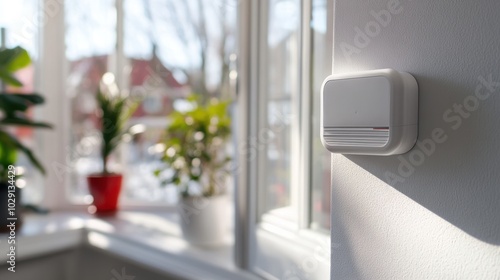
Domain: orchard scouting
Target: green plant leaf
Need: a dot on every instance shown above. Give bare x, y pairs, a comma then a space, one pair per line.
5, 137
11, 103
20, 60
17, 121
8, 155
9, 79
7, 56
157, 172
32, 98
193, 98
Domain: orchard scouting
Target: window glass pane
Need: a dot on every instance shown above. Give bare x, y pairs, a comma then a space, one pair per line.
90, 28
321, 67
20, 22
90, 42
149, 79
172, 48
282, 86
141, 159
183, 43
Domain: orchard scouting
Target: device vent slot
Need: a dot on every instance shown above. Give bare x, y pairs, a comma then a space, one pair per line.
356, 136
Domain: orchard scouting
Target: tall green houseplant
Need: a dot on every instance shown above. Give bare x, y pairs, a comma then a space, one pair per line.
14, 109
115, 112
13, 112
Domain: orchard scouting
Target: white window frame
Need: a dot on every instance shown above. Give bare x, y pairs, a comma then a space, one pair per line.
249, 234
287, 239
52, 79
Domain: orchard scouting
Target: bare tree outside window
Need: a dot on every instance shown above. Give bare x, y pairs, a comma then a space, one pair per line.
193, 39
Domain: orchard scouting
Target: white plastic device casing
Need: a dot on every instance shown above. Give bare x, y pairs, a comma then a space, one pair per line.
369, 113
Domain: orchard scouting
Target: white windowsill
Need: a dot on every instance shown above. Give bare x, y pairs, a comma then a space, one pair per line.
150, 239
279, 223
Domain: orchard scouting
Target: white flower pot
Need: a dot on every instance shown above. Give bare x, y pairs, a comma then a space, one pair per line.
204, 220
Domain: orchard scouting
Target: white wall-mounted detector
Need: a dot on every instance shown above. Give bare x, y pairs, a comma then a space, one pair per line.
369, 113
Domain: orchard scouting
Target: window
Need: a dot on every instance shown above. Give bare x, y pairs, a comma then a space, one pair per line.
163, 50
159, 51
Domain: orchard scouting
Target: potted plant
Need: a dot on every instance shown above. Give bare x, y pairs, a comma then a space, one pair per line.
114, 111
13, 112
196, 157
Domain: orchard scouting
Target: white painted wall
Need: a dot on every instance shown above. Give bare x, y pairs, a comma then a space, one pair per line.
441, 220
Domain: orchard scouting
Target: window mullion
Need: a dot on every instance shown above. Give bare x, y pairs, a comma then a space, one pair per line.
117, 64
119, 61
52, 77
260, 147
246, 87
304, 204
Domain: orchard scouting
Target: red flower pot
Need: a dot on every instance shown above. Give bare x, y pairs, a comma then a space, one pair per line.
106, 190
